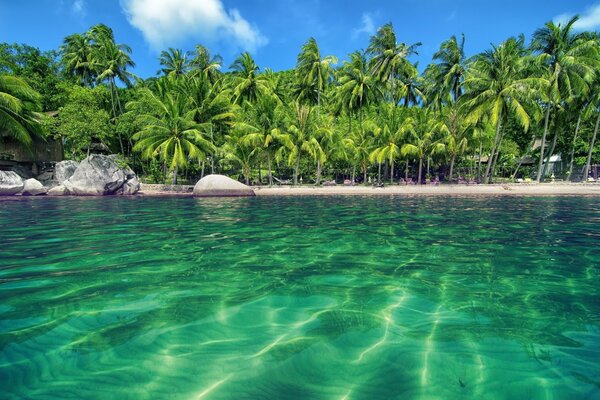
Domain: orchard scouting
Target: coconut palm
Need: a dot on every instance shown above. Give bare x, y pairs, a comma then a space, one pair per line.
569, 60
19, 109
248, 84
174, 62
452, 65
389, 58
167, 127
498, 84
357, 88
205, 65
454, 129
264, 118
239, 152
76, 52
314, 72
423, 138
392, 132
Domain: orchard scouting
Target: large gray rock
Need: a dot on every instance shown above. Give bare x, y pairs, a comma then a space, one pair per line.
100, 175
10, 183
220, 186
33, 187
64, 170
59, 190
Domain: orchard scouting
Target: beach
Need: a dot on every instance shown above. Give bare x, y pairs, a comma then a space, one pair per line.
510, 189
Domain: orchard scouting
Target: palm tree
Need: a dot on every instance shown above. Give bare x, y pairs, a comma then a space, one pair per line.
389, 58
423, 137
205, 65
392, 131
454, 129
265, 118
497, 84
314, 72
168, 129
77, 58
174, 62
19, 107
248, 84
452, 65
237, 151
299, 137
357, 88
569, 60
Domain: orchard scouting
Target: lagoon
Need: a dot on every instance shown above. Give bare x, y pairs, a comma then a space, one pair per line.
300, 298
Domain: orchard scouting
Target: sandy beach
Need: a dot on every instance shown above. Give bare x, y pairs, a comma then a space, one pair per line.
513, 189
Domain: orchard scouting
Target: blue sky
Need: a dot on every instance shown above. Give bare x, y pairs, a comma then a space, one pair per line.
274, 30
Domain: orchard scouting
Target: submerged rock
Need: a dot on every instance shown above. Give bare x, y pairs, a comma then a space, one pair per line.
220, 186
64, 170
10, 183
99, 175
33, 187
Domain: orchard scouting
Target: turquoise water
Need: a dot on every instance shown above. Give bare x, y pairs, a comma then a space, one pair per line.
300, 298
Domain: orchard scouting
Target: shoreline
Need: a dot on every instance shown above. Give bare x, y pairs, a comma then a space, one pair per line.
508, 189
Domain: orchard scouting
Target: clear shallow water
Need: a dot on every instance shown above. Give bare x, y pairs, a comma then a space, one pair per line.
300, 298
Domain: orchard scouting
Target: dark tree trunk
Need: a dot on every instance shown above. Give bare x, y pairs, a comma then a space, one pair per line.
539, 177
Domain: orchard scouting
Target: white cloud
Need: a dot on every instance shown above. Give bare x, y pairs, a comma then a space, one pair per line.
79, 8
367, 26
588, 20
165, 23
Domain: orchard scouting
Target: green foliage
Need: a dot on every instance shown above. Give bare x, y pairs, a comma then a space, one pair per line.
83, 120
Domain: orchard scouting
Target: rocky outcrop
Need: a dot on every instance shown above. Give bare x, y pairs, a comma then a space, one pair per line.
10, 183
33, 187
220, 186
64, 170
99, 175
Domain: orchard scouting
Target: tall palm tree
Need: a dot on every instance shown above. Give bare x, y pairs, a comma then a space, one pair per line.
423, 139
357, 88
248, 83
202, 63
167, 127
455, 131
452, 65
314, 72
389, 58
265, 118
76, 52
174, 62
569, 60
392, 131
19, 109
498, 84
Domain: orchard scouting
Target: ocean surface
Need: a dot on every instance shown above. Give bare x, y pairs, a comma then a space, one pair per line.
300, 298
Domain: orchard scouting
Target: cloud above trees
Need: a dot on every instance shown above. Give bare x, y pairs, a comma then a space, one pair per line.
166, 23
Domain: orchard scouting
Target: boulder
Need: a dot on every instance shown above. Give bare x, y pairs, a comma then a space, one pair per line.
220, 186
59, 190
33, 187
100, 175
64, 170
10, 183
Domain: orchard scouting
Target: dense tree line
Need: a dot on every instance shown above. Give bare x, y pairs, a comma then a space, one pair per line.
371, 117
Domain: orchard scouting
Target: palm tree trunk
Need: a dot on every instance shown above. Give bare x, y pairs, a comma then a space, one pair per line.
496, 157
589, 157
202, 170
486, 177
379, 173
406, 171
391, 170
364, 174
452, 159
550, 154
113, 95
318, 180
259, 174
296, 169
353, 173
479, 161
573, 148
174, 182
539, 177
270, 172
420, 169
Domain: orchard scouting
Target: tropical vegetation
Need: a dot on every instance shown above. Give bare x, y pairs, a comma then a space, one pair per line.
511, 112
